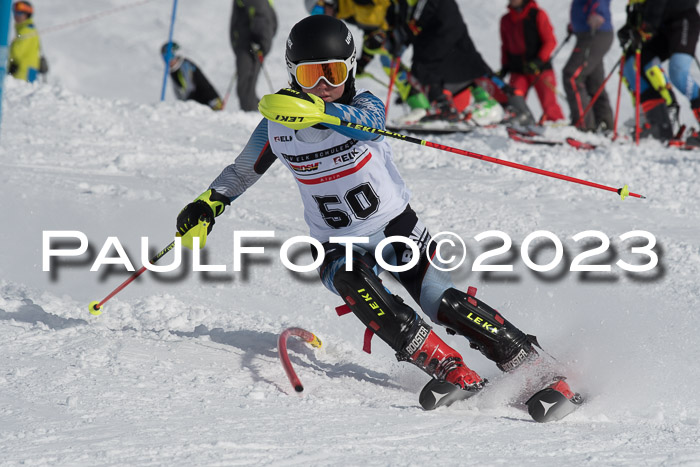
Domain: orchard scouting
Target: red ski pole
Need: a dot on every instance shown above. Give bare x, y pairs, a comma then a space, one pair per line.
619, 89
597, 94
394, 72
199, 231
637, 84
623, 192
95, 306
284, 356
285, 107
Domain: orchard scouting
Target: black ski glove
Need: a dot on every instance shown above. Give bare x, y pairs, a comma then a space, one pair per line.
207, 206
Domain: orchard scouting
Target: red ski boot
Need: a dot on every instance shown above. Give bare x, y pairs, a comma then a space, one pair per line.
442, 361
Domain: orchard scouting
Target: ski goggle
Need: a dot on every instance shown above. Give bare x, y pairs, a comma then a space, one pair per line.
334, 72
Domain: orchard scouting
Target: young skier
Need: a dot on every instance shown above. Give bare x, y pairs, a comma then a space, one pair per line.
662, 30
25, 50
584, 72
350, 186
253, 25
527, 42
189, 83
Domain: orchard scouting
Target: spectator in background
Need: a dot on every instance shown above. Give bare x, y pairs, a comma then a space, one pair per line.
25, 50
584, 72
370, 17
662, 30
253, 25
445, 60
527, 42
189, 83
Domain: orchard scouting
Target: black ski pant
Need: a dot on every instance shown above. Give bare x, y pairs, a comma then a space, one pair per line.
247, 69
583, 75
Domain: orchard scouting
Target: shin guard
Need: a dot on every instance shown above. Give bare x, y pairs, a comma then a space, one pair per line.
399, 326
385, 314
486, 330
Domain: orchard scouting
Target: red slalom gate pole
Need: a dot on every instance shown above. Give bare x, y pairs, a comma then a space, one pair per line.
308, 337
623, 192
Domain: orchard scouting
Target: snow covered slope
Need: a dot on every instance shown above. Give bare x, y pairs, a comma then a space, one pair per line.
182, 369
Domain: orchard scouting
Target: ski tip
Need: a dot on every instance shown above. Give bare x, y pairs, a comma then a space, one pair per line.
554, 402
94, 308
438, 393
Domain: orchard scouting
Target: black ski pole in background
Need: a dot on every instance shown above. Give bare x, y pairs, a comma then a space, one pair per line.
551, 57
230, 88
267, 76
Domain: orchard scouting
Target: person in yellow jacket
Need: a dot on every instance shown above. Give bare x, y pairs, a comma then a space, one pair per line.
25, 50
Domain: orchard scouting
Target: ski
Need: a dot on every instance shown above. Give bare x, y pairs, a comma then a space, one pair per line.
520, 138
438, 393
550, 404
528, 137
554, 402
434, 127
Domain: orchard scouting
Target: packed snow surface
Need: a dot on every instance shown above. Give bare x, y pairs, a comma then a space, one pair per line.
182, 368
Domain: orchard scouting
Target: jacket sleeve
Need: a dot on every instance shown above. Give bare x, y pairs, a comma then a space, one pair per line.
365, 109
253, 161
549, 40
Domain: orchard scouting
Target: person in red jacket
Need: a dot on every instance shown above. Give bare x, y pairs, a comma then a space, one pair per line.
527, 42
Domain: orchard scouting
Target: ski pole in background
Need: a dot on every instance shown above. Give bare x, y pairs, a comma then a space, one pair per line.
291, 109
307, 336
619, 89
168, 53
258, 53
637, 79
394, 72
551, 57
598, 93
199, 232
367, 74
267, 77
230, 88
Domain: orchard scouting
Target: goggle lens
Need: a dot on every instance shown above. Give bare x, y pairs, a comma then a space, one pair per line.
309, 74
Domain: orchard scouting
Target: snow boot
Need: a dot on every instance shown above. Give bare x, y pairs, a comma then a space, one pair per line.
443, 109
658, 123
517, 112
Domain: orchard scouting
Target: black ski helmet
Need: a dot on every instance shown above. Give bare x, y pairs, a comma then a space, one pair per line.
318, 38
